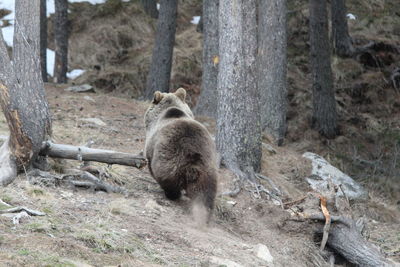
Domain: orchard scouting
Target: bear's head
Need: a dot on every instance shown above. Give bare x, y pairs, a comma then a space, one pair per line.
162, 101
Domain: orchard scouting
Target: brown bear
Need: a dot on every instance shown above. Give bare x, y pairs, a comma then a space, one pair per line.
180, 151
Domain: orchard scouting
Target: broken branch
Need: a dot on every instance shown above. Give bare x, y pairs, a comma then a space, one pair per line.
327, 222
20, 209
90, 154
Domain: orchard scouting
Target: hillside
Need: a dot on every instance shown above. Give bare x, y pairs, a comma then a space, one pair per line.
113, 42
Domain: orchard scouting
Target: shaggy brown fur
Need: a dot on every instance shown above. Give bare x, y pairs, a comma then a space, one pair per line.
180, 151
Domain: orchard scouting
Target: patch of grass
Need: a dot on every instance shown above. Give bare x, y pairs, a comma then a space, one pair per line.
3, 207
24, 252
36, 192
98, 245
55, 261
6, 198
36, 227
47, 210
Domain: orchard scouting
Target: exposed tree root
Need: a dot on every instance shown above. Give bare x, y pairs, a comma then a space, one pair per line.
75, 178
248, 180
95, 182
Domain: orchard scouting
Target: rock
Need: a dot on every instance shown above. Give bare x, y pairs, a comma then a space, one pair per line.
224, 262
263, 253
83, 88
88, 98
232, 203
94, 121
269, 148
322, 171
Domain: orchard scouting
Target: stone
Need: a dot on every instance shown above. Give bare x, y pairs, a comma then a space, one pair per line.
224, 262
263, 253
83, 88
322, 171
94, 121
88, 98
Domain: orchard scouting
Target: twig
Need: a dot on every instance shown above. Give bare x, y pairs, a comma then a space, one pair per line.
4, 203
270, 182
291, 203
19, 209
327, 222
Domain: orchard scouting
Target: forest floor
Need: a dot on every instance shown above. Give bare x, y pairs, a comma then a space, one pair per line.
113, 42
143, 228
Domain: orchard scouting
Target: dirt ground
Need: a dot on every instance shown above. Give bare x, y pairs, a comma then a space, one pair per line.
143, 228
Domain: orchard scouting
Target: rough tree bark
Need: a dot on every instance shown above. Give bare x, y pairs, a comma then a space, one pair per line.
161, 62
342, 44
150, 7
207, 104
43, 39
324, 104
349, 243
61, 41
238, 124
272, 67
22, 93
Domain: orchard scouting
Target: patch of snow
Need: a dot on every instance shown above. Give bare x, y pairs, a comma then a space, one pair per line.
93, 2
351, 16
8, 34
195, 20
8, 4
51, 55
158, 6
73, 74
50, 9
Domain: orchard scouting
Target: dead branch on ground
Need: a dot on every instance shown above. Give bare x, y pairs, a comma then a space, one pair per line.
16, 213
83, 153
75, 178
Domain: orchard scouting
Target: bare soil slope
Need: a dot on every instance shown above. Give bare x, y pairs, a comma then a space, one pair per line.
143, 228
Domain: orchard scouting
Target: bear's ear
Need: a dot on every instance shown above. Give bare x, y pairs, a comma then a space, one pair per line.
181, 93
158, 96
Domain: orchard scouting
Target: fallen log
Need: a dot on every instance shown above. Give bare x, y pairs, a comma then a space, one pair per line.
344, 234
83, 153
348, 242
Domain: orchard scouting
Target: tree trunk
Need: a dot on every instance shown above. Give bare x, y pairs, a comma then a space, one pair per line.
272, 67
43, 39
150, 7
238, 123
207, 104
22, 92
61, 41
324, 104
340, 33
161, 63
